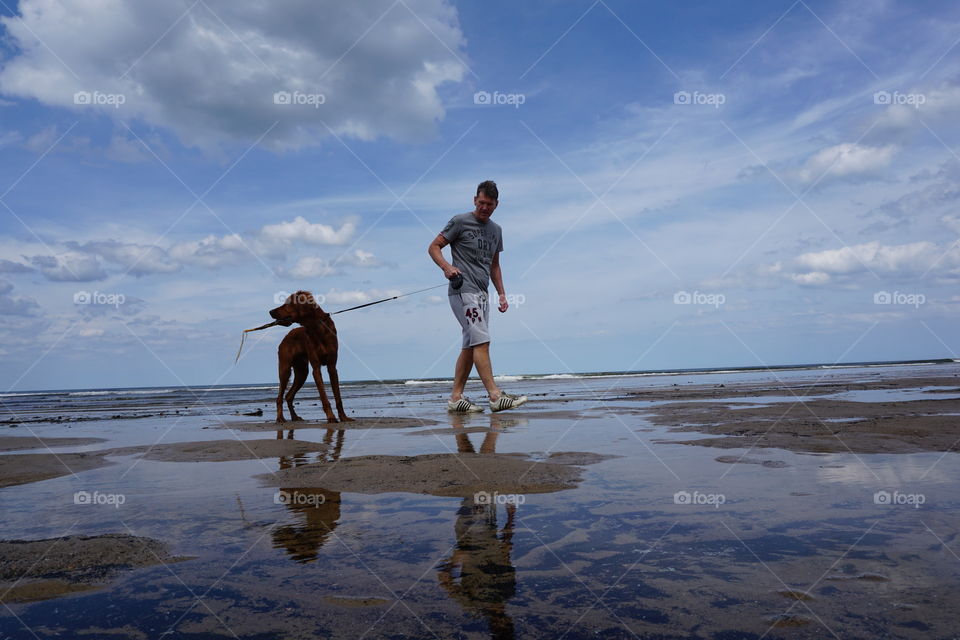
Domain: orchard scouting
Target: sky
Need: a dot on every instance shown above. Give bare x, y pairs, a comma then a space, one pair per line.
696, 184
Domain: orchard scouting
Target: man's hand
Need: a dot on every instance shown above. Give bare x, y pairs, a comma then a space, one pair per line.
450, 271
504, 305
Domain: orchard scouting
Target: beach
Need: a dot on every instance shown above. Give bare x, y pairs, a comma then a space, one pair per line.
791, 503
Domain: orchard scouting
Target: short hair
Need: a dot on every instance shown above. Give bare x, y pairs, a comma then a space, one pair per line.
489, 187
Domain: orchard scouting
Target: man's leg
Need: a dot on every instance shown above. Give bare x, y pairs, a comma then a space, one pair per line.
481, 358
461, 373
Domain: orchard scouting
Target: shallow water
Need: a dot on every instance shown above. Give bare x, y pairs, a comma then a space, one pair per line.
663, 540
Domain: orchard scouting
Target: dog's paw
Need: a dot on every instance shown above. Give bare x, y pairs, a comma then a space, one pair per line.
346, 419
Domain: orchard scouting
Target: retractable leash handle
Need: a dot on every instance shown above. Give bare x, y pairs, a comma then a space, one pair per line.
456, 282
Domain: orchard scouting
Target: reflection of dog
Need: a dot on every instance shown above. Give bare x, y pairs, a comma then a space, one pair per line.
312, 345
318, 510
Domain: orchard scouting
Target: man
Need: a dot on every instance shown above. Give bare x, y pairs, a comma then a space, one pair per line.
475, 243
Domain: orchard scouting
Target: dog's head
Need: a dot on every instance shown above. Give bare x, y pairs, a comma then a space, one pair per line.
299, 307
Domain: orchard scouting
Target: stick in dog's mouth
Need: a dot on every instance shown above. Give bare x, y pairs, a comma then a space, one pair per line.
269, 324
243, 336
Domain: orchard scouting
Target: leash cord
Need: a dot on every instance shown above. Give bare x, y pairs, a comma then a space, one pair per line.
243, 336
402, 295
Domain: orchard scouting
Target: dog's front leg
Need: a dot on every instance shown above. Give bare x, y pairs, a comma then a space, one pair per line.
284, 378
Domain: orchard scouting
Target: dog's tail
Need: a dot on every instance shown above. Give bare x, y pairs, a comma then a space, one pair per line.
244, 336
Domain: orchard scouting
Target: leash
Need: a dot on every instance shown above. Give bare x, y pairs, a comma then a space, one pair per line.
457, 282
402, 295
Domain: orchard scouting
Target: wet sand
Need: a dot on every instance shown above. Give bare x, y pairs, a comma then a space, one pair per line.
365, 422
806, 422
800, 388
220, 450
392, 540
26, 468
460, 474
33, 570
22, 443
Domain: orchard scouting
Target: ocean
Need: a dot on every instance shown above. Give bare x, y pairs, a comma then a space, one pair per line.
72, 405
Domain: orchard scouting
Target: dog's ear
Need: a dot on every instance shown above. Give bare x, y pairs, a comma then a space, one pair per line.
320, 314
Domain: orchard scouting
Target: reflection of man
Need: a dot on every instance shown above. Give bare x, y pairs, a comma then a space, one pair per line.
475, 244
320, 509
479, 573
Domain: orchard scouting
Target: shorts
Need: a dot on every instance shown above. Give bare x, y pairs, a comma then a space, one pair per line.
472, 311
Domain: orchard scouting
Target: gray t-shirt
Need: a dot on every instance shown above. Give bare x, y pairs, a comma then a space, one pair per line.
473, 245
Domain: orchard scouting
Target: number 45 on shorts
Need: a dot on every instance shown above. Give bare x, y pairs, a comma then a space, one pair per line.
472, 314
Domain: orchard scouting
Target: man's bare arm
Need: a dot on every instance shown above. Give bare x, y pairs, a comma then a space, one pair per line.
496, 275
436, 252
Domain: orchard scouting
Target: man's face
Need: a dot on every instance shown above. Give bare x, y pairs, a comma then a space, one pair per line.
484, 206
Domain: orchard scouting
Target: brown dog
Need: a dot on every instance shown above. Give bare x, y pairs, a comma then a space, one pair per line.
312, 344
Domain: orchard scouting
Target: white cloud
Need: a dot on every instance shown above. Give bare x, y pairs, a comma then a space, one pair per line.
71, 266
952, 223
40, 142
109, 303
9, 266
811, 279
316, 266
896, 262
212, 252
361, 258
279, 236
359, 297
129, 150
8, 138
136, 259
15, 305
895, 259
212, 77
83, 262
927, 107
311, 267
846, 161
938, 195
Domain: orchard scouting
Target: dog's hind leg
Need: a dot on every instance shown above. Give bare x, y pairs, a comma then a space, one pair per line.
300, 371
318, 379
335, 385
